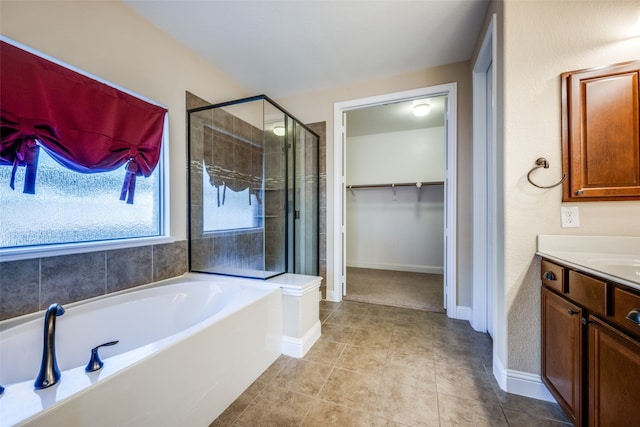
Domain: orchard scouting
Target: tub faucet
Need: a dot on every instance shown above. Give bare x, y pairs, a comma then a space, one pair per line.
49, 372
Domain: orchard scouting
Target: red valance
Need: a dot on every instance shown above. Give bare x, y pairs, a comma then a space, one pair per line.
86, 125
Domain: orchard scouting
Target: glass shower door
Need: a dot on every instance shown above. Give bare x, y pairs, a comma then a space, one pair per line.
305, 173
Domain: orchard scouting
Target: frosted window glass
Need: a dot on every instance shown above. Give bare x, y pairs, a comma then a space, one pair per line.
236, 212
71, 207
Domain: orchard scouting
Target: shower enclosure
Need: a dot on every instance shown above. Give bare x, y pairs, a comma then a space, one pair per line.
253, 190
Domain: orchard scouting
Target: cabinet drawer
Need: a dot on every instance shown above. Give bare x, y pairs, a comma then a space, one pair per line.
552, 275
625, 302
588, 292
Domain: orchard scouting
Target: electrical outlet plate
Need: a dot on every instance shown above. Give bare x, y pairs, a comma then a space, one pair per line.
570, 216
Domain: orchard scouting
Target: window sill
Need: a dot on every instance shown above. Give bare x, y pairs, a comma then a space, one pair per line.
16, 254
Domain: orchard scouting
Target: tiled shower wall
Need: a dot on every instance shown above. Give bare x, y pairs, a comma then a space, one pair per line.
31, 285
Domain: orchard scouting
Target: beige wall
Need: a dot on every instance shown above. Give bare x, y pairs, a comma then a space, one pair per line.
542, 40
111, 41
318, 106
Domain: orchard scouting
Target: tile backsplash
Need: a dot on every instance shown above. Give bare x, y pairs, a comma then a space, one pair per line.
31, 285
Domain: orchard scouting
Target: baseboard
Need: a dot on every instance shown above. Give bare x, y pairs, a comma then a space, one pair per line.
463, 313
398, 267
331, 296
520, 383
526, 384
298, 347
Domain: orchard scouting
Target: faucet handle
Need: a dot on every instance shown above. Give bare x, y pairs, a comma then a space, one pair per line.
95, 363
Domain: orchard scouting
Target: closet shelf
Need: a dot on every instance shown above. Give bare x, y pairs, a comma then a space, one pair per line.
404, 184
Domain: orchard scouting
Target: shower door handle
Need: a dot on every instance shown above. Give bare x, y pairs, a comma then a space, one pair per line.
296, 214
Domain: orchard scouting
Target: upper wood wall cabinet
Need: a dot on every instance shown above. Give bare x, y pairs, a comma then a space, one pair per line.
601, 133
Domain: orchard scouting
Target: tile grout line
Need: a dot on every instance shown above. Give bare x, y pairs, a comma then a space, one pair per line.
40, 283
106, 269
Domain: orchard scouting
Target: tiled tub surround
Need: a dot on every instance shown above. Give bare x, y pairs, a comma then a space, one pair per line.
31, 285
613, 258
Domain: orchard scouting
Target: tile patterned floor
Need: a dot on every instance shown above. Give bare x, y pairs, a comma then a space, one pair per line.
385, 366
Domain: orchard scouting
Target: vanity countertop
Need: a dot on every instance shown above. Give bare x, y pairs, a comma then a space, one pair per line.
612, 258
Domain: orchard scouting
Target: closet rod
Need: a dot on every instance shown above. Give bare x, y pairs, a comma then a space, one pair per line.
405, 184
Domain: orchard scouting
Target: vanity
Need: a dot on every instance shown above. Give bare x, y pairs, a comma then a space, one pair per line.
590, 331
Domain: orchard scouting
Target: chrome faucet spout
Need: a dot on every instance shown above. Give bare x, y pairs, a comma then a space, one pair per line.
49, 372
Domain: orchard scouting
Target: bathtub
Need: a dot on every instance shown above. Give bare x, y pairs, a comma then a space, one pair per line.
187, 349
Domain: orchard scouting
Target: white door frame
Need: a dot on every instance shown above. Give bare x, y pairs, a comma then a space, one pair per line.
484, 198
450, 90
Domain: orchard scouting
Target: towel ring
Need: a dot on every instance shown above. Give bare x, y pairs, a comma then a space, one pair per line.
543, 163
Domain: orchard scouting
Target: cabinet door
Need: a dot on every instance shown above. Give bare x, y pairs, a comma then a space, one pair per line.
601, 135
562, 352
613, 375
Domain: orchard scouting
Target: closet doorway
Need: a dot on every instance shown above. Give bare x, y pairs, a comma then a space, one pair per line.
396, 182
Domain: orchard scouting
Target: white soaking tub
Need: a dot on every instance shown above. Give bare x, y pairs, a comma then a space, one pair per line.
187, 349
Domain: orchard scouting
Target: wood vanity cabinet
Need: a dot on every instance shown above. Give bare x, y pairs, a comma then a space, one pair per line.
614, 375
562, 352
590, 350
601, 133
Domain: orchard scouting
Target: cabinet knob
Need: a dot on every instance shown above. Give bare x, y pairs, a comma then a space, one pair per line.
634, 316
572, 312
579, 192
549, 275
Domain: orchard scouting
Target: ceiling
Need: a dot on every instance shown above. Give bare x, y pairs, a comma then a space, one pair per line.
282, 48
395, 117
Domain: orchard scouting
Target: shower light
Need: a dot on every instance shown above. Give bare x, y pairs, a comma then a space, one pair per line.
278, 130
420, 110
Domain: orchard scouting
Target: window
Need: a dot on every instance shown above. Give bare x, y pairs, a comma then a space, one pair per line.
88, 145
72, 207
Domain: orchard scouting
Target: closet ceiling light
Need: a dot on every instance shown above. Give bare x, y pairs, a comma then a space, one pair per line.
278, 130
420, 110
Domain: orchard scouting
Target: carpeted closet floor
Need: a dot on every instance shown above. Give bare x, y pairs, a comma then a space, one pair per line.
420, 291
